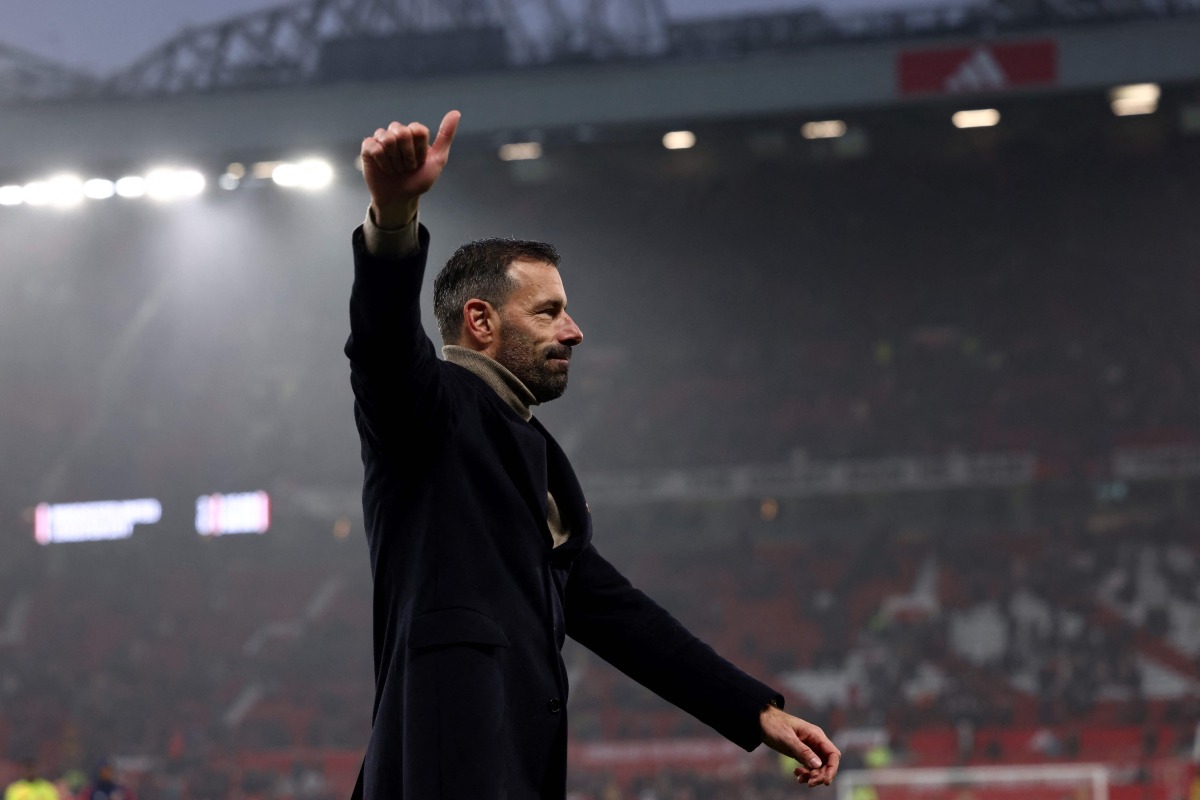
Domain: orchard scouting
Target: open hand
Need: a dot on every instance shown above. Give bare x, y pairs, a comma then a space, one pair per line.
804, 742
400, 165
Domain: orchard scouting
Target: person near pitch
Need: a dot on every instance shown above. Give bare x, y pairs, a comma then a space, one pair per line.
479, 534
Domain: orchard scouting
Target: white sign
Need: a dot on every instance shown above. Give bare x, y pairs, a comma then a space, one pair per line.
93, 522
218, 514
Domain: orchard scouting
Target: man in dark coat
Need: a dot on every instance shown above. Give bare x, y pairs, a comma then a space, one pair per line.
479, 535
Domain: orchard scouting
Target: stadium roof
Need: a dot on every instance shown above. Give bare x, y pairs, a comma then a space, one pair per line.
306, 75
307, 42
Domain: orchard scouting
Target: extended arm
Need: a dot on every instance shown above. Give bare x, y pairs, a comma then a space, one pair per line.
393, 363
637, 636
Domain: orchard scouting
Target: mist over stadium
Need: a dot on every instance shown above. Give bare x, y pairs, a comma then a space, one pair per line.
890, 391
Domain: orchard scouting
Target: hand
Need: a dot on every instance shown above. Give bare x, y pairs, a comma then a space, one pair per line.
400, 165
804, 742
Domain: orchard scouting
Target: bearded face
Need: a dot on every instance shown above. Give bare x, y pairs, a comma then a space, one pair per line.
542, 367
530, 332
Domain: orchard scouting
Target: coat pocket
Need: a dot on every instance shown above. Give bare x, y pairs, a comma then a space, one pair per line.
451, 626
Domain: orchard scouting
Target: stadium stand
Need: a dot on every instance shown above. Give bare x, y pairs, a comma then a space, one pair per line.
1015, 648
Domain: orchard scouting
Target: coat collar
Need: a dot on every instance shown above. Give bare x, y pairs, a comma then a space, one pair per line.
510, 388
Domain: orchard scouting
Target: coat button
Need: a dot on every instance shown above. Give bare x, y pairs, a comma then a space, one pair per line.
554, 706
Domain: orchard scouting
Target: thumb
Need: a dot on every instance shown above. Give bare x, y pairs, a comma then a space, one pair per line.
445, 134
803, 753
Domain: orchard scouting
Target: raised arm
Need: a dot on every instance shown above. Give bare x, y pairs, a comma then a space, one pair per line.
393, 364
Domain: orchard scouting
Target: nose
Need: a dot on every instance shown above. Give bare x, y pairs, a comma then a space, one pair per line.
570, 334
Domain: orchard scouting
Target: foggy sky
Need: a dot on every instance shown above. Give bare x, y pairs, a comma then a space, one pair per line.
104, 36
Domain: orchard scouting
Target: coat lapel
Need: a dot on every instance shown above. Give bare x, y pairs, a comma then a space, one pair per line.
537, 464
526, 465
567, 492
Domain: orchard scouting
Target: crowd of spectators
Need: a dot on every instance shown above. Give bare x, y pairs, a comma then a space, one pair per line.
976, 634
887, 309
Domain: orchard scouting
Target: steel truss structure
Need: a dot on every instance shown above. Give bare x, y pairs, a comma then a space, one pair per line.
283, 45
24, 75
292, 44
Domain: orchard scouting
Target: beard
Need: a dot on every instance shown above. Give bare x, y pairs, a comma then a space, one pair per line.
521, 356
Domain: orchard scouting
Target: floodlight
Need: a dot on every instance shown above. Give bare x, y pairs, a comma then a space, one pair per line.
315, 173
825, 129
679, 140
173, 184
11, 195
38, 193
65, 190
1134, 99
131, 186
976, 118
160, 184
312, 173
520, 151
99, 189
189, 182
286, 174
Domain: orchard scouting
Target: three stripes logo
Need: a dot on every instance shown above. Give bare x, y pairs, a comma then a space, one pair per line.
980, 72
979, 68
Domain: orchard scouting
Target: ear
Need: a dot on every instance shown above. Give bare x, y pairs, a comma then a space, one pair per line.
481, 324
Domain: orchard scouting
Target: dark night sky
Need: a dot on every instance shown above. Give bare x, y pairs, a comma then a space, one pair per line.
105, 36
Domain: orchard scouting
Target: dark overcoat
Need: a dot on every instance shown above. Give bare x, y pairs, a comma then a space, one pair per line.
471, 600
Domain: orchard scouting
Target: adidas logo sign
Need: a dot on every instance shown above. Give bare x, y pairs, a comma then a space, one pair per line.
978, 72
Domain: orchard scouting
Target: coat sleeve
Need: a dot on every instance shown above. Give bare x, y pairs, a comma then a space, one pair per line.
394, 368
606, 614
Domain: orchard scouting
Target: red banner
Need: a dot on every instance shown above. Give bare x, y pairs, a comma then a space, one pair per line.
978, 68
